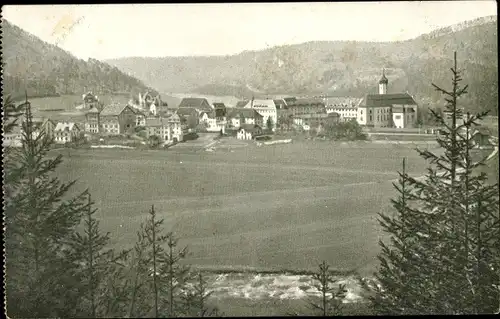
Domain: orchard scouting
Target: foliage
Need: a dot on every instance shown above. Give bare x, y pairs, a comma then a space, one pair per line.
46, 70
269, 124
100, 296
154, 141
349, 130
196, 299
330, 303
444, 255
40, 219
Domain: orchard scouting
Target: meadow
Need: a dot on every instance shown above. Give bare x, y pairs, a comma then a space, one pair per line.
270, 208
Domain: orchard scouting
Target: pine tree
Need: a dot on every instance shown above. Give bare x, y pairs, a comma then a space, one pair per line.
196, 299
331, 298
176, 275
158, 279
39, 279
451, 229
97, 264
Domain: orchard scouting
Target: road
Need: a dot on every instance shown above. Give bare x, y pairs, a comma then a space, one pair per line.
203, 141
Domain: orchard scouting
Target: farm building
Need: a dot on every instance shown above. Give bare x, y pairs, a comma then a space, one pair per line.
200, 104
117, 119
66, 132
248, 131
387, 110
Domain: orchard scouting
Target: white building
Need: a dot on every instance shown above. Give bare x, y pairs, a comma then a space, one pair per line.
346, 107
66, 132
266, 108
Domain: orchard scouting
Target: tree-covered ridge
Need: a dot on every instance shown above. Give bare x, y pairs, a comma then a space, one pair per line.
338, 67
46, 70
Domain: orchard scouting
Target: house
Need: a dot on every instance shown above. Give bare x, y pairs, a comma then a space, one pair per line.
176, 130
200, 104
44, 124
116, 119
220, 111
387, 110
66, 132
167, 129
13, 138
90, 100
238, 116
266, 108
92, 122
140, 117
481, 137
248, 131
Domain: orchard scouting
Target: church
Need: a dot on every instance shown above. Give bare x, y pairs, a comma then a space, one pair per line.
398, 110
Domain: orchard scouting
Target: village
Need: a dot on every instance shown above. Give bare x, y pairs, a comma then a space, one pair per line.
153, 120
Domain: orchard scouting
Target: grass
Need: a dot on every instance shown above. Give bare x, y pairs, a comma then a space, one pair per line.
279, 207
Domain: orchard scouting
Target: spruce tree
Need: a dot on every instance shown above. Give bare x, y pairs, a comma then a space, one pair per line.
39, 279
451, 228
196, 298
330, 303
98, 264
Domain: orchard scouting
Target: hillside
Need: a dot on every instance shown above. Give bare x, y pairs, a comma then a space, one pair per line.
47, 70
338, 67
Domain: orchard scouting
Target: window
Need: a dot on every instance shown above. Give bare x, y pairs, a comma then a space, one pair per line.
370, 117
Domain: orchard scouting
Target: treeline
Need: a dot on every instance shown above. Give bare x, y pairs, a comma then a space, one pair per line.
44, 69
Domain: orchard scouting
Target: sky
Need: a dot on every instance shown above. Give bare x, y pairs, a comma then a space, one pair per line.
156, 30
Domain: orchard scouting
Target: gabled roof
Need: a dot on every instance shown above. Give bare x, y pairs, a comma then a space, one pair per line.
289, 100
249, 127
262, 103
63, 126
174, 118
244, 113
113, 109
194, 102
482, 130
381, 100
342, 101
280, 103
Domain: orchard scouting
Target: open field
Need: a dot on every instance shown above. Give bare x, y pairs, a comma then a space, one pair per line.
279, 207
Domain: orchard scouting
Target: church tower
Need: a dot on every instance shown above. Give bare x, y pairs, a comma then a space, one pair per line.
382, 84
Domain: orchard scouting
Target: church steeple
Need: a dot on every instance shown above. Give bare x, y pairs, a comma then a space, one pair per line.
382, 84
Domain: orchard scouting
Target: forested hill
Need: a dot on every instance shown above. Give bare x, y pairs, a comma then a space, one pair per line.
45, 70
339, 67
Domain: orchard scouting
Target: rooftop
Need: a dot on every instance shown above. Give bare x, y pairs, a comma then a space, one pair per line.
63, 126
194, 102
381, 100
113, 109
244, 113
249, 127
